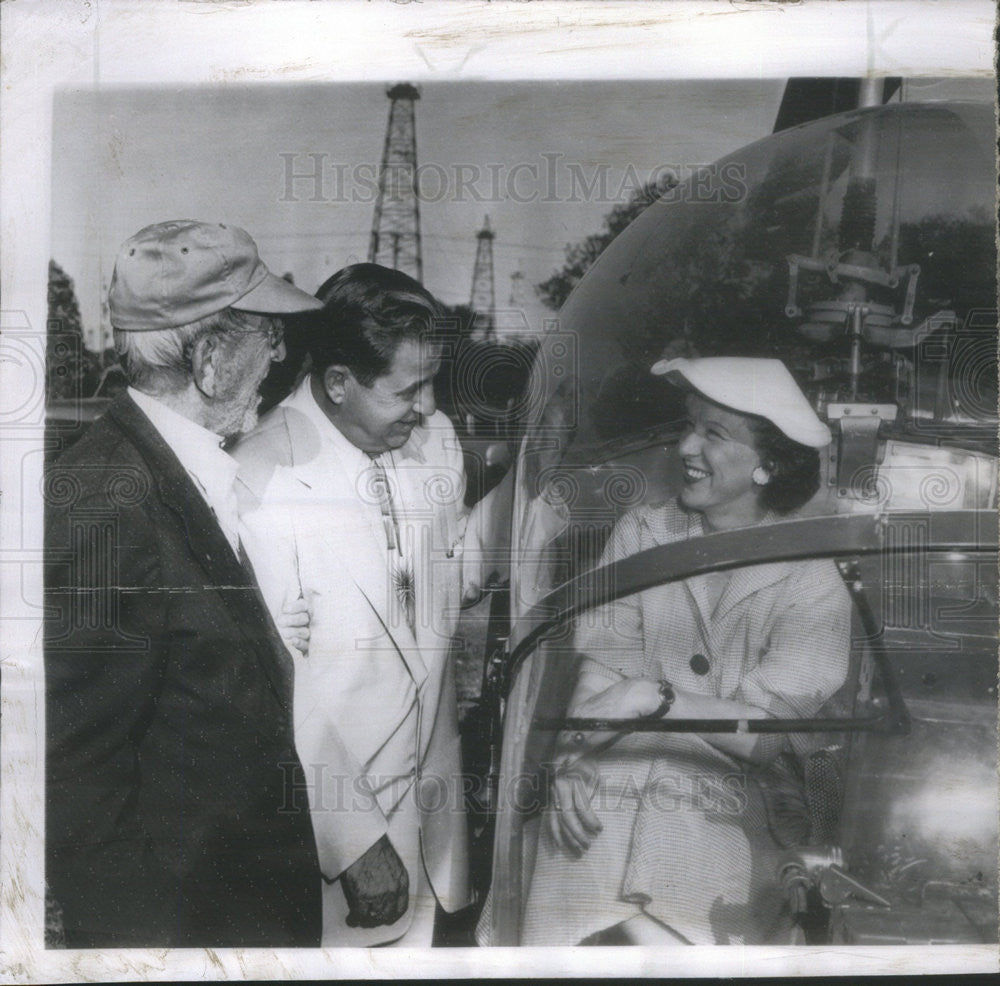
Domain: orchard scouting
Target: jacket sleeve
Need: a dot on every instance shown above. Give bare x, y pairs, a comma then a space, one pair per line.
610, 638
808, 650
104, 656
807, 656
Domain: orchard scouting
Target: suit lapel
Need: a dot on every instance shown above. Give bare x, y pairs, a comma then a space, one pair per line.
745, 582
208, 545
668, 526
697, 588
344, 528
742, 582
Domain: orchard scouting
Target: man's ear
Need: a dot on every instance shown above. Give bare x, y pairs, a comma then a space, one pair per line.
205, 357
335, 379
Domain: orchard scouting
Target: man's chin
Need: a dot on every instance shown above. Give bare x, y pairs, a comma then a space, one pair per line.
400, 436
245, 426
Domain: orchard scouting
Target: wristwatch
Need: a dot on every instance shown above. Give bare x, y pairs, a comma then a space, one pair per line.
667, 697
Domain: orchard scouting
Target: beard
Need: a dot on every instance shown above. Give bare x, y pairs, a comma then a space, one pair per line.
250, 417
235, 409
236, 416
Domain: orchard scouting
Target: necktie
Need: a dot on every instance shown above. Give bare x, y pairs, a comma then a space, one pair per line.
399, 567
383, 494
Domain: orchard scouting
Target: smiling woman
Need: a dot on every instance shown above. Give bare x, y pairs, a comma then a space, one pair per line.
720, 466
663, 838
739, 464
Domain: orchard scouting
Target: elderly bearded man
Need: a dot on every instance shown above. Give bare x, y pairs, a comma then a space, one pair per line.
171, 767
351, 493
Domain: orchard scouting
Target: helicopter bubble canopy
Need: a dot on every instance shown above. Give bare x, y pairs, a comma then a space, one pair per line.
859, 249
882, 216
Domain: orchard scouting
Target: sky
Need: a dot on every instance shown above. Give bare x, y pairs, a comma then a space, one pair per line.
544, 160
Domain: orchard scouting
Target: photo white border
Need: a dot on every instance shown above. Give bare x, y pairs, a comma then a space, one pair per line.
55, 44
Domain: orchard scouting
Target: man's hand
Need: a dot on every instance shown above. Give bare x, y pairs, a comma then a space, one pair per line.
377, 887
293, 624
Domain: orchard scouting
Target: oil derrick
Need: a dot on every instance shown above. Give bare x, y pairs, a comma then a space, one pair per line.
395, 239
511, 322
516, 299
482, 301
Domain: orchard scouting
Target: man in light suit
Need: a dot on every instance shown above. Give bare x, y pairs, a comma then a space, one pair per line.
171, 816
351, 497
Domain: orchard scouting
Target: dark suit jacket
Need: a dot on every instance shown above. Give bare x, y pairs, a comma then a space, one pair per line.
173, 815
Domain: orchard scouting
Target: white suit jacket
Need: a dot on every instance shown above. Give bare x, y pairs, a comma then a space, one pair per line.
375, 708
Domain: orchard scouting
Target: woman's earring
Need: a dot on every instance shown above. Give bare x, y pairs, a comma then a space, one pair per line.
760, 476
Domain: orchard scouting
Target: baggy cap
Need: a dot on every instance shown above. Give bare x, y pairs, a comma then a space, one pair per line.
176, 272
763, 387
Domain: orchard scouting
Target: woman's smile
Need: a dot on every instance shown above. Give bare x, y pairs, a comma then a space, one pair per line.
718, 455
692, 473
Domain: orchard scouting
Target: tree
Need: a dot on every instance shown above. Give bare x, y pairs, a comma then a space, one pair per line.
481, 380
70, 366
580, 257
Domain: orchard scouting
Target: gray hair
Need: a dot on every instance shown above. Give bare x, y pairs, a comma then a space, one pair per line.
158, 361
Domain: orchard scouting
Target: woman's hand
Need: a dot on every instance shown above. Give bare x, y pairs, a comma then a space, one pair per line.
293, 624
571, 819
630, 698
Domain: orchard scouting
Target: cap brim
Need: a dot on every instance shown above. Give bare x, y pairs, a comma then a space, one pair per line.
275, 296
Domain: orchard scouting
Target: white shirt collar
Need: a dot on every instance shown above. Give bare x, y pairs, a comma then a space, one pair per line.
303, 400
353, 458
355, 462
200, 453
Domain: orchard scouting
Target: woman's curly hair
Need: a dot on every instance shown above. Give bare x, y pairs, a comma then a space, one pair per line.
793, 467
